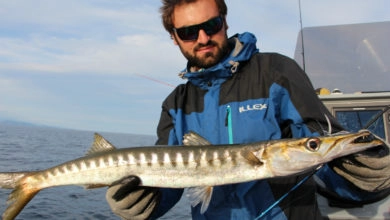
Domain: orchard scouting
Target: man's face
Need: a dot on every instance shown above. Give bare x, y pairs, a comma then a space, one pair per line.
206, 50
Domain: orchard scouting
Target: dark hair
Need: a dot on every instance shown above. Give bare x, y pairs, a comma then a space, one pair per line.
168, 6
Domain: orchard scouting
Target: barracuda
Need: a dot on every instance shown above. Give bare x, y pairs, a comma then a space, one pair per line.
197, 165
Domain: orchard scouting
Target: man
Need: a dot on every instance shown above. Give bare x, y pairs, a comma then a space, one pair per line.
235, 94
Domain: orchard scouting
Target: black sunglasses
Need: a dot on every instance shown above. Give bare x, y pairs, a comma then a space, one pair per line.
191, 33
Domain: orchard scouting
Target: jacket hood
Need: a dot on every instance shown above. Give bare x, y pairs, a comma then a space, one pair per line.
243, 46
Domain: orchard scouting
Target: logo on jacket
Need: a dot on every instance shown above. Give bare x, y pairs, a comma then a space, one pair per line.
255, 107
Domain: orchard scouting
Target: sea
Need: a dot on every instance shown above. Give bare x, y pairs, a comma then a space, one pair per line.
31, 148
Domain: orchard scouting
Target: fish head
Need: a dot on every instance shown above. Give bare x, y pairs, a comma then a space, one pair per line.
297, 155
344, 144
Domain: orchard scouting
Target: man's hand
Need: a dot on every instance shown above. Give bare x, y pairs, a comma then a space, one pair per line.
130, 201
368, 170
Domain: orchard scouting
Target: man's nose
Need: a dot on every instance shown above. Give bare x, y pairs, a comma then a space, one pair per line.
203, 38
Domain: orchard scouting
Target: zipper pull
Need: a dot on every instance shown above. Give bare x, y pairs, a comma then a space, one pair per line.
228, 123
227, 117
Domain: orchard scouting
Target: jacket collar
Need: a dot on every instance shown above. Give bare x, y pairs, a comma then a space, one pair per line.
243, 47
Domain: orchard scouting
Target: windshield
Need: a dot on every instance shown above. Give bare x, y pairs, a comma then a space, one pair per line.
354, 120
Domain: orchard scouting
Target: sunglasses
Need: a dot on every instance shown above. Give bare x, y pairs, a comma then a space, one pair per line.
191, 33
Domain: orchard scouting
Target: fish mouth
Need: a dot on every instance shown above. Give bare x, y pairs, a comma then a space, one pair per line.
378, 150
365, 138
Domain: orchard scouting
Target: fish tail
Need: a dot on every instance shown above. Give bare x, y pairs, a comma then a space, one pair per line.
9, 180
22, 192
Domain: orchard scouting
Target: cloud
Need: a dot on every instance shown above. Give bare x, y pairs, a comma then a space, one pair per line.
123, 37
94, 37
344, 12
89, 102
21, 96
125, 55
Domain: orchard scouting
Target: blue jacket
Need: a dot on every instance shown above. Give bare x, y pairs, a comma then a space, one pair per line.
249, 96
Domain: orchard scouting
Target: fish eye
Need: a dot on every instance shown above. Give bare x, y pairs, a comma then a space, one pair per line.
313, 144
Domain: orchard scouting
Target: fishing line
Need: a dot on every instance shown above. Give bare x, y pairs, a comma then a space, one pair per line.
155, 80
277, 202
376, 117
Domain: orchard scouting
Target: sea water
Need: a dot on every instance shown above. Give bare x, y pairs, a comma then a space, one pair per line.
35, 147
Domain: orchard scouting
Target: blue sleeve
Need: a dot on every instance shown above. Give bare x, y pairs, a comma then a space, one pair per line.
169, 197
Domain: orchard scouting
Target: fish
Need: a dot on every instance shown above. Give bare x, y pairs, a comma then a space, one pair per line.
197, 166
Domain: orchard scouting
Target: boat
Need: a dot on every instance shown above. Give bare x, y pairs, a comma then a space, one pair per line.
355, 111
354, 61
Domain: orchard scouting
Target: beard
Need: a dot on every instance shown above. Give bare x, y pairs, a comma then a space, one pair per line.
209, 59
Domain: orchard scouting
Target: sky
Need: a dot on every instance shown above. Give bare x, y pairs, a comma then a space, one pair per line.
107, 65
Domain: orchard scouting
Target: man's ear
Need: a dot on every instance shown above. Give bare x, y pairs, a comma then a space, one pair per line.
226, 24
173, 37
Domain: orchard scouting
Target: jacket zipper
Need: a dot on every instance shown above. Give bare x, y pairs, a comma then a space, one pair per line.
228, 123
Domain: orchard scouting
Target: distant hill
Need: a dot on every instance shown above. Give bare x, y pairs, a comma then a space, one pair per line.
9, 122
19, 123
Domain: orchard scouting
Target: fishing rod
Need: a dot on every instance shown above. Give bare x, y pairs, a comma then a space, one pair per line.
296, 186
387, 108
303, 48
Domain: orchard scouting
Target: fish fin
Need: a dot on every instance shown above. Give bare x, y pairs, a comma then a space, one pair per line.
251, 158
198, 195
18, 199
193, 138
100, 144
